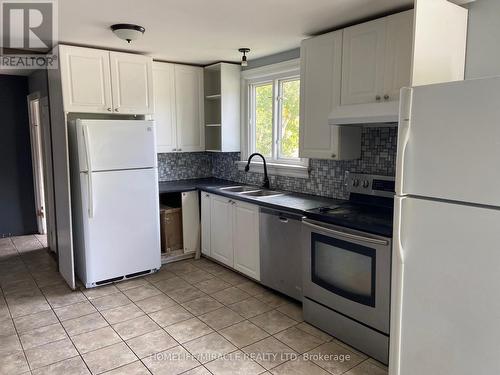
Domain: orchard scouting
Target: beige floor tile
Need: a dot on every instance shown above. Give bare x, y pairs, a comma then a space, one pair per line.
50, 353
7, 327
200, 370
334, 358
9, 344
202, 305
221, 318
298, 367
271, 298
230, 295
109, 358
212, 285
378, 364
62, 295
185, 294
293, 310
135, 327
171, 284
210, 347
93, 340
299, 340
132, 283
73, 366
162, 274
30, 322
122, 313
269, 352
243, 334
231, 277
367, 368
273, 321
14, 363
350, 348
173, 361
155, 303
196, 276
28, 305
306, 327
75, 311
134, 368
251, 288
84, 324
111, 301
250, 307
170, 315
42, 335
151, 343
188, 330
234, 363
141, 292
179, 267
100, 291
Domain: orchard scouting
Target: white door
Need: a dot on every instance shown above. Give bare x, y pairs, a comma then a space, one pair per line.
122, 234
246, 239
445, 276
398, 54
321, 63
205, 223
189, 108
363, 62
85, 79
115, 144
132, 80
451, 127
191, 221
164, 102
221, 230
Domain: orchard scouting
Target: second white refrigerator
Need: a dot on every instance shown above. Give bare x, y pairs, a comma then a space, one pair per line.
115, 199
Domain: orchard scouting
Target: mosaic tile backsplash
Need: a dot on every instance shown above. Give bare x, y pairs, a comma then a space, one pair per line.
326, 177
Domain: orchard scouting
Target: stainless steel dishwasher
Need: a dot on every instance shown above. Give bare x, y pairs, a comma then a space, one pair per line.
280, 251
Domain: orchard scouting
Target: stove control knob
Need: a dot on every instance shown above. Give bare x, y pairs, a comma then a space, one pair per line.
366, 184
355, 182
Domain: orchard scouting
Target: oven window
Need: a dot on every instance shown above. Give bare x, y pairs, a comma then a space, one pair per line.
344, 268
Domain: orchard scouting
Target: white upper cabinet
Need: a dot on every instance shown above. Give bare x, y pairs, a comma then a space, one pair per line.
246, 239
164, 102
99, 81
363, 60
320, 75
86, 81
132, 82
189, 108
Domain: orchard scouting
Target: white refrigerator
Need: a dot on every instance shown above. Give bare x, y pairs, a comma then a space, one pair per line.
115, 202
445, 315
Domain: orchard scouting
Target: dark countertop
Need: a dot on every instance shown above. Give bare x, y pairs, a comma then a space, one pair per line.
293, 202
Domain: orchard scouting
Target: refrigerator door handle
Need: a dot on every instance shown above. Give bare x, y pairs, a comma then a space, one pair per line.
90, 199
403, 136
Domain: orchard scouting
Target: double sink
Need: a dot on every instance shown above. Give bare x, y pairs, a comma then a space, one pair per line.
251, 191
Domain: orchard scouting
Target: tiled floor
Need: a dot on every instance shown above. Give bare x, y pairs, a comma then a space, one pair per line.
192, 317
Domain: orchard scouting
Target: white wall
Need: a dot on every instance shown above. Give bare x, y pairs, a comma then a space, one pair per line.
483, 40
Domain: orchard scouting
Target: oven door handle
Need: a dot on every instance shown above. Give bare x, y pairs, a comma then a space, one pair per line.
350, 236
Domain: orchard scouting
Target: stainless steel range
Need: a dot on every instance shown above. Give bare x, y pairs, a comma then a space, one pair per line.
347, 265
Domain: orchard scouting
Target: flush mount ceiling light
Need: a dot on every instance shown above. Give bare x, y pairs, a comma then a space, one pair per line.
128, 31
244, 51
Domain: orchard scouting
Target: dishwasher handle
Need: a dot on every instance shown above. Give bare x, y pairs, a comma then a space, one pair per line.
284, 216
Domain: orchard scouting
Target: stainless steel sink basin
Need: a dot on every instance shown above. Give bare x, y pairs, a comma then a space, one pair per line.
262, 193
239, 189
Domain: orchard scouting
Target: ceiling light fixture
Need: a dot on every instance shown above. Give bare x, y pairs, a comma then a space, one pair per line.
244, 51
127, 31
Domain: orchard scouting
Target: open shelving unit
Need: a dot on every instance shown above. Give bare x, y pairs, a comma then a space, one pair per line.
222, 107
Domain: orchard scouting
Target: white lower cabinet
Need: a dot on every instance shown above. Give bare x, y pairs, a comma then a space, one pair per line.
190, 221
230, 233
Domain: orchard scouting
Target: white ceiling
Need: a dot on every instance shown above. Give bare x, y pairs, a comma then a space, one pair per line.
205, 31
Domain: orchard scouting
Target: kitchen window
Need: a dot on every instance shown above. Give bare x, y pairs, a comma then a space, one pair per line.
273, 109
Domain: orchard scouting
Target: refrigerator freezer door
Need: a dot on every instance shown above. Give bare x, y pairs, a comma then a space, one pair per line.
105, 145
123, 236
450, 147
445, 274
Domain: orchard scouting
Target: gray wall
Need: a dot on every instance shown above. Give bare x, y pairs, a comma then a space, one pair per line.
483, 40
17, 201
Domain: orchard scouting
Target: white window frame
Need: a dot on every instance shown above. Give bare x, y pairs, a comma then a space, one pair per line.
275, 73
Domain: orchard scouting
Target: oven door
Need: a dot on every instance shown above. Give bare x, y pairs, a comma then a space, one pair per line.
349, 272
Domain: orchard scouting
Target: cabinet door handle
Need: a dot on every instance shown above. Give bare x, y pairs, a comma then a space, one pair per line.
116, 109
377, 98
386, 97
207, 195
179, 149
334, 156
109, 109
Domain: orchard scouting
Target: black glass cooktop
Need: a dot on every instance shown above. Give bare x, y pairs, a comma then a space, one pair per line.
372, 216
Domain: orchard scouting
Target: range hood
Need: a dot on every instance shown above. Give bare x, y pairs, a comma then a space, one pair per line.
371, 114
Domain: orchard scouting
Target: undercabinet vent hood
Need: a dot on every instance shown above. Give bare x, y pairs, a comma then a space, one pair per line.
368, 114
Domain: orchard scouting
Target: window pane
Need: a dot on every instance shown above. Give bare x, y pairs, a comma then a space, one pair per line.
264, 119
290, 95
